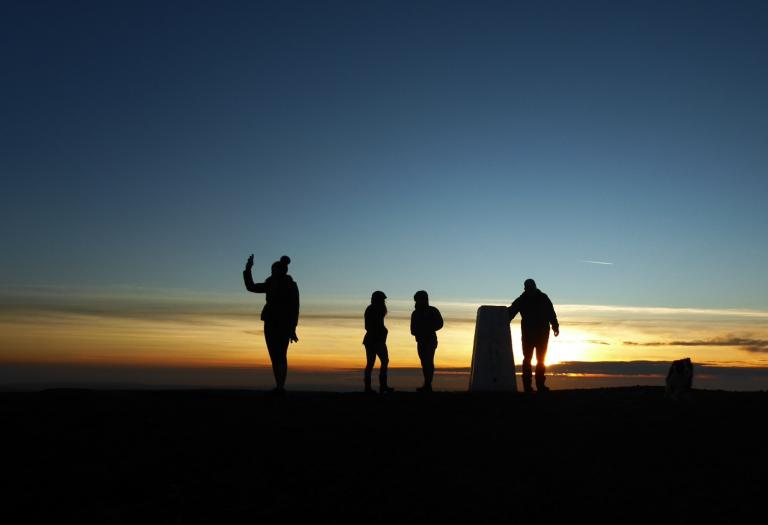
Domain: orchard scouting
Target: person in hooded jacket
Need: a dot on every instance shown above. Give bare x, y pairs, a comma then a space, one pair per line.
280, 313
537, 314
425, 322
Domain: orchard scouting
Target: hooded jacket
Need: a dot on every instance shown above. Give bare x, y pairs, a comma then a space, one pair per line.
537, 313
425, 321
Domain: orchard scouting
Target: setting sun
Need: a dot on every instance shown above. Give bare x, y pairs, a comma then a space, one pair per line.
570, 346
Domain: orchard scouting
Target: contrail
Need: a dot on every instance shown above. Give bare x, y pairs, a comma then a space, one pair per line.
598, 262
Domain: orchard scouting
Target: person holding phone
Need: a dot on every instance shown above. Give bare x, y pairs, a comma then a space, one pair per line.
280, 314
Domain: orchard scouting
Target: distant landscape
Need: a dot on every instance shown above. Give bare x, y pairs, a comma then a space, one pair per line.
571, 375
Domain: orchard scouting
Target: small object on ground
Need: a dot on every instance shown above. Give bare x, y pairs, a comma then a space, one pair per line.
679, 379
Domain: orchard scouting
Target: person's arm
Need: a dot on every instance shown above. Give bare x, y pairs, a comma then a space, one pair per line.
294, 311
248, 279
514, 309
553, 318
413, 323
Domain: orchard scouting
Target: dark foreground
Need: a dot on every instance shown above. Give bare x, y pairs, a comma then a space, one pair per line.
232, 456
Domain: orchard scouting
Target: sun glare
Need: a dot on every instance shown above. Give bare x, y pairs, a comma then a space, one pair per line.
575, 345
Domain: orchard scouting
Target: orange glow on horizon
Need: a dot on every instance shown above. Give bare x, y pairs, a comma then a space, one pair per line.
335, 342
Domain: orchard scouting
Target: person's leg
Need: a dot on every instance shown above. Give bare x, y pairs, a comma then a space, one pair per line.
268, 338
370, 360
383, 353
422, 358
541, 354
277, 346
431, 363
527, 356
427, 357
282, 361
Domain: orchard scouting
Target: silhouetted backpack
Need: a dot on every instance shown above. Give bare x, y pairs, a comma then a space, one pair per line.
679, 378
437, 319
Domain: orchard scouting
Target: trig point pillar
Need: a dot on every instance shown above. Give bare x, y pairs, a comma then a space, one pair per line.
493, 367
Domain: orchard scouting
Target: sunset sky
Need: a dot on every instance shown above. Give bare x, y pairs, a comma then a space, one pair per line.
617, 152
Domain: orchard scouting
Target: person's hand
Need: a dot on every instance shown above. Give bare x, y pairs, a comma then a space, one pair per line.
294, 339
249, 263
556, 331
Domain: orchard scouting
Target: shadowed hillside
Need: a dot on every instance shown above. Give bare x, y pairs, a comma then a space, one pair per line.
201, 456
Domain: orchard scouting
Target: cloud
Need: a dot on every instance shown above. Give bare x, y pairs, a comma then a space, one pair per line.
651, 369
617, 368
660, 311
744, 343
154, 303
602, 263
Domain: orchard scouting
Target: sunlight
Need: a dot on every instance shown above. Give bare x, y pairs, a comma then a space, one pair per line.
573, 345
334, 340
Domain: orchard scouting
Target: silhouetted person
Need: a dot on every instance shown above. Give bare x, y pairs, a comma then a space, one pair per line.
425, 321
375, 341
280, 313
537, 314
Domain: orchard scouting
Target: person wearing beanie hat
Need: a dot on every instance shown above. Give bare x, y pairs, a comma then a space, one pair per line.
280, 313
375, 342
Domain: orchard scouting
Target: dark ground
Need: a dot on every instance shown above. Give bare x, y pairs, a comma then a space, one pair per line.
622, 454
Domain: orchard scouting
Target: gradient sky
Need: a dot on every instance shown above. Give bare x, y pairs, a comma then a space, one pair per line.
458, 147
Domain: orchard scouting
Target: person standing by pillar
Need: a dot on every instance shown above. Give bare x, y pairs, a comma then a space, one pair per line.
425, 322
537, 314
375, 342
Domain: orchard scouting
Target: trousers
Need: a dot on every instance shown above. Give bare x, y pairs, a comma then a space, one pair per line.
534, 342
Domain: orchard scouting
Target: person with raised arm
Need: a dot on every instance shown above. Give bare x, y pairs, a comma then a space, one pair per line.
280, 314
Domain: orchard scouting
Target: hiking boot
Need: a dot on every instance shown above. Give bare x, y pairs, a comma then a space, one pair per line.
383, 387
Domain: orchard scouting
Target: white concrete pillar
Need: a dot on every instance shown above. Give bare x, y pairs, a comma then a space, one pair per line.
493, 366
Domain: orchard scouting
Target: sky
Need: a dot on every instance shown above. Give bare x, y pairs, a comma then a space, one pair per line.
614, 151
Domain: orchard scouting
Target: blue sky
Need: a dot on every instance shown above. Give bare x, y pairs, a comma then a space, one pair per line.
459, 147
